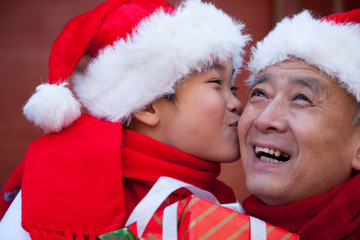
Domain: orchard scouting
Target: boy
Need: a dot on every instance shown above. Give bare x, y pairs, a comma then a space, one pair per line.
85, 177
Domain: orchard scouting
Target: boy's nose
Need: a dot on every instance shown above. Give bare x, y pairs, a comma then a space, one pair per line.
234, 105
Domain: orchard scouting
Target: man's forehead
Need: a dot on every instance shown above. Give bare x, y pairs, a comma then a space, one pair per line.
293, 71
293, 63
299, 79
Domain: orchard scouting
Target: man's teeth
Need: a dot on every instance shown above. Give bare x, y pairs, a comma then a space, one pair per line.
268, 150
266, 154
266, 159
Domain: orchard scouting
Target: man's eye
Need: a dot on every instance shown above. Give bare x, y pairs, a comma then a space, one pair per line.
257, 93
302, 97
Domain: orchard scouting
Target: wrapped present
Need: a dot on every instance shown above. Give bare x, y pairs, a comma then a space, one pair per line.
121, 234
197, 218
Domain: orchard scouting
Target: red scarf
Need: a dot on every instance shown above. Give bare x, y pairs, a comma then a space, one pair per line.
333, 215
86, 180
145, 160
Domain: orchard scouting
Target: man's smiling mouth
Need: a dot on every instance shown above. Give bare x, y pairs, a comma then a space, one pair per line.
271, 155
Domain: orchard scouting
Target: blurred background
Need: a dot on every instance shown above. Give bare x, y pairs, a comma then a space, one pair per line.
28, 29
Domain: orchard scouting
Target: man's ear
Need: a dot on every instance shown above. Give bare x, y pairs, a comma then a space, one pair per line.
148, 116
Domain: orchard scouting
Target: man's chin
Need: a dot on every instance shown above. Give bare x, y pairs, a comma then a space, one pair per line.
269, 192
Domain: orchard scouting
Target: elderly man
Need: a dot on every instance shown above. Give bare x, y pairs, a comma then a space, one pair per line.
300, 131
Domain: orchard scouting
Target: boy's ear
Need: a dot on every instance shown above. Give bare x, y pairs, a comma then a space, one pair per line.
148, 116
356, 159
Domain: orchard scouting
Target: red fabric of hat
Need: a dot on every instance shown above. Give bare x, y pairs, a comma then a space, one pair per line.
345, 17
94, 30
131, 14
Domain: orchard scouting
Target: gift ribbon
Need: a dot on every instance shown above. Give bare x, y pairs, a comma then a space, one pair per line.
161, 190
257, 229
170, 226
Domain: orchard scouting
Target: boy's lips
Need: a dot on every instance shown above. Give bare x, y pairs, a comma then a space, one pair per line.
234, 124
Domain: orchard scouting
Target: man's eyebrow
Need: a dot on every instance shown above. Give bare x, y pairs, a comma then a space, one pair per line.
312, 83
260, 79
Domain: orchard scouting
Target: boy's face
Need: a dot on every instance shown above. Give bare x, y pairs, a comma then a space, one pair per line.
203, 121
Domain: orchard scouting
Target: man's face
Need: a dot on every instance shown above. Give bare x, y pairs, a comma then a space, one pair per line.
296, 134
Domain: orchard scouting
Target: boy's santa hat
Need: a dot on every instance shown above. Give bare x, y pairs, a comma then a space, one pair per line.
331, 44
139, 50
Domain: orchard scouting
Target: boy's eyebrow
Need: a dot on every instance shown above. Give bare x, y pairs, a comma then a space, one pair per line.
220, 67
217, 66
232, 74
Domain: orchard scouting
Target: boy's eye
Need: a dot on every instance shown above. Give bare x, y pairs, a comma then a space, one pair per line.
234, 90
217, 81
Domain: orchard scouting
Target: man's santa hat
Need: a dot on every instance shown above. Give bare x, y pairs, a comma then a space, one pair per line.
331, 44
139, 50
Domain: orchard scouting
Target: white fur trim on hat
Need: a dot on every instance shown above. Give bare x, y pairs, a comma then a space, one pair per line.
165, 48
58, 108
333, 48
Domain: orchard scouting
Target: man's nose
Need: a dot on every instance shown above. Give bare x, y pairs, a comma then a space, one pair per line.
272, 118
